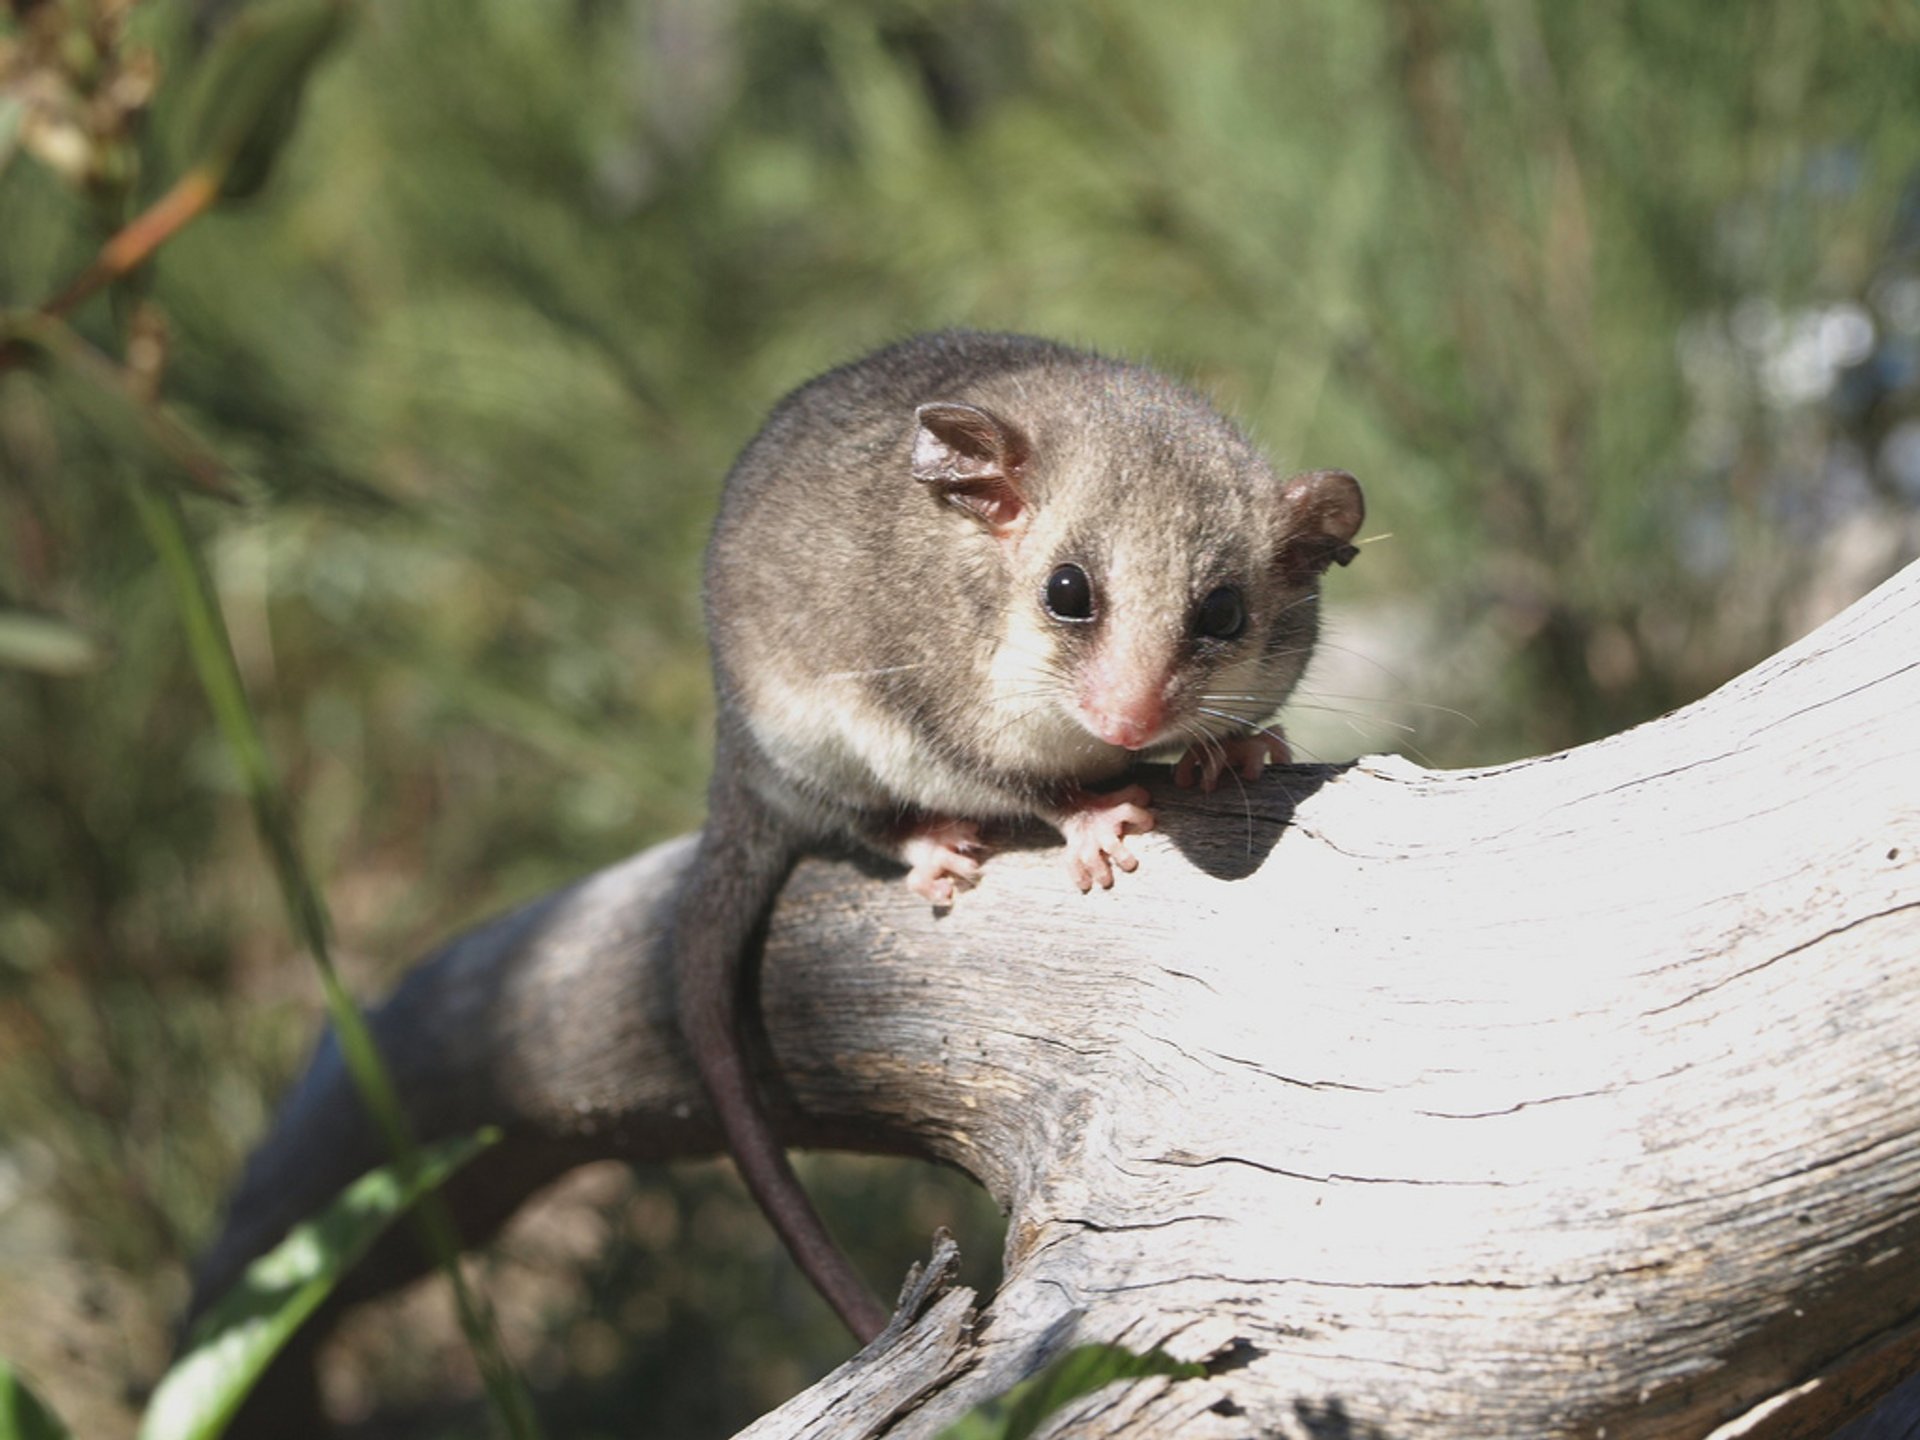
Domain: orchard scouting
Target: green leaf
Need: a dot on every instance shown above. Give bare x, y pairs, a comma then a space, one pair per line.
247, 92
1082, 1370
40, 642
233, 1343
22, 1415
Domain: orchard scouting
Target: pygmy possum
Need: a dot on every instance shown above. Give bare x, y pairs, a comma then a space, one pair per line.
974, 578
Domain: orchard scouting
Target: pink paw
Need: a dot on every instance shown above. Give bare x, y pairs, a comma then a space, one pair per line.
1245, 755
1096, 827
943, 858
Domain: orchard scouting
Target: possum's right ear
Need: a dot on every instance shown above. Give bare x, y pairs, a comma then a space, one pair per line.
974, 458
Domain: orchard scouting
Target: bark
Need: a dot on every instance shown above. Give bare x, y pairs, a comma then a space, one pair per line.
1579, 1096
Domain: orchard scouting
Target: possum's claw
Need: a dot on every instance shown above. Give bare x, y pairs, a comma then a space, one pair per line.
1245, 755
1096, 827
943, 858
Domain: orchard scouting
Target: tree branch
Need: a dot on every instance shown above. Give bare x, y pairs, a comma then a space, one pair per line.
1569, 1097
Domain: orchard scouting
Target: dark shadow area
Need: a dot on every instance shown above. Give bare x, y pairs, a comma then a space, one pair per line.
1237, 1356
1229, 834
1329, 1421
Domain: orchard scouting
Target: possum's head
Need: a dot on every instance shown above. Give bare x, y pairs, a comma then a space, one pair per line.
1163, 582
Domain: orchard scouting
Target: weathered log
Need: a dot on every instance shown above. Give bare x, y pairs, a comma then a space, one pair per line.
1578, 1096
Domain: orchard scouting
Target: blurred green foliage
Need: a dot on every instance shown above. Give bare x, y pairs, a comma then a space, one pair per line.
1615, 310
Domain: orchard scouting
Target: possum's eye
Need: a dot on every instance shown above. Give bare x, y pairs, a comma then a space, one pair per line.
1223, 615
1069, 594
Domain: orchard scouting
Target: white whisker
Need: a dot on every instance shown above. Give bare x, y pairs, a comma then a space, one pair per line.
878, 670
1410, 704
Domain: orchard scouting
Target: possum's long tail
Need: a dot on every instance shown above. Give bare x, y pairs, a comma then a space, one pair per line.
742, 861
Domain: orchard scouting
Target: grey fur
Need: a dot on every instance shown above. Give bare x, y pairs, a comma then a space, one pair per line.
860, 622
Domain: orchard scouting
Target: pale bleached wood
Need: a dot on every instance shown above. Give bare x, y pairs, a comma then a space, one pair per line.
1572, 1097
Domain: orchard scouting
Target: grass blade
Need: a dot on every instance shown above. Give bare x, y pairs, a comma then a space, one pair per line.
236, 1340
212, 652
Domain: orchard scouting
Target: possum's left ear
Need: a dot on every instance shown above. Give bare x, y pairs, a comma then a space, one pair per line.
1323, 511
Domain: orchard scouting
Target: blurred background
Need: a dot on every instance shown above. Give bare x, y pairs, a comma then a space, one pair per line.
1614, 308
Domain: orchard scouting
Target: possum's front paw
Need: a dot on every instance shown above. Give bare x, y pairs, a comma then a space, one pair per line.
1245, 755
943, 858
1096, 827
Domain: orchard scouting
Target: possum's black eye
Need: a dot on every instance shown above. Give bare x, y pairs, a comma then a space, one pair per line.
1223, 614
1069, 594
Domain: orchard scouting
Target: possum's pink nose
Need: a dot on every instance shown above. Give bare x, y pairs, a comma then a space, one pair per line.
1130, 721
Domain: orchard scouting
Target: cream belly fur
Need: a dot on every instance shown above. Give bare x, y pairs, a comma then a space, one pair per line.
829, 738
853, 754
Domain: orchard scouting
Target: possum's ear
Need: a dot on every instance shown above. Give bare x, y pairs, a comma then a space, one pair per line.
974, 458
1323, 511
